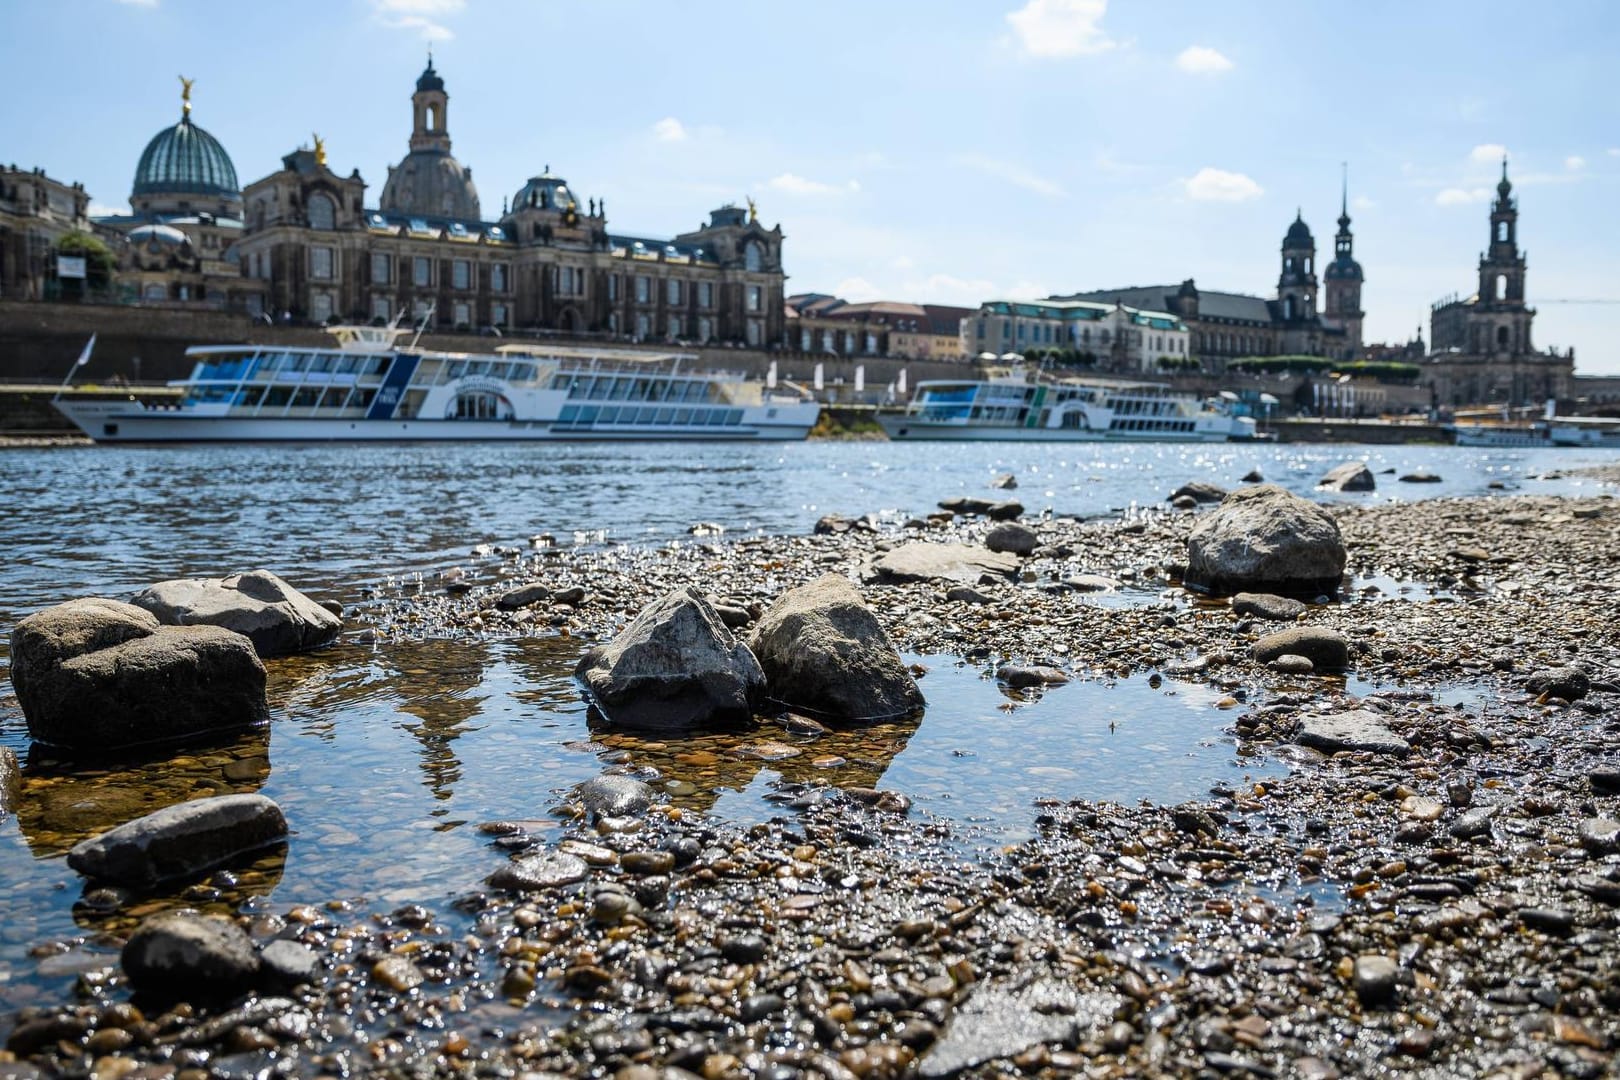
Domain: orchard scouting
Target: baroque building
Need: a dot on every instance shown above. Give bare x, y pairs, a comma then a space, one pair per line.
35, 213
1111, 335
822, 324
1482, 352
548, 263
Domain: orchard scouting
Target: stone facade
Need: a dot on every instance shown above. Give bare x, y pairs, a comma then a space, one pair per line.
827, 325
1111, 337
35, 213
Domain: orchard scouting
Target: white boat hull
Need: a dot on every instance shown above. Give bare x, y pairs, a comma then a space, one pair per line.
903, 428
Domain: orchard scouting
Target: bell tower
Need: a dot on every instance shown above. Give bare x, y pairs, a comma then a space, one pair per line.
1344, 280
430, 125
1501, 319
1296, 287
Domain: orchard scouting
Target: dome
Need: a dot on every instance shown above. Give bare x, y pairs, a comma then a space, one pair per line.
546, 192
186, 160
1343, 268
429, 79
1299, 234
430, 183
166, 235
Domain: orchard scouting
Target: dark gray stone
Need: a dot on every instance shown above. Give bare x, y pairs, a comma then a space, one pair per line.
966, 504
1006, 482
96, 675
1329, 650
1001, 1022
180, 841
1474, 823
1267, 606
1183, 502
675, 667
544, 871
1600, 836
1569, 683
1265, 539
943, 562
285, 964
276, 617
965, 594
1010, 510
1025, 676
1011, 538
1358, 729
1376, 980
1351, 476
181, 954
824, 653
522, 597
1199, 491
614, 795
10, 777
1290, 664
1420, 476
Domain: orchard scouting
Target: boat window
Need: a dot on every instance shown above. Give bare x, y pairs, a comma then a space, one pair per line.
664, 416
478, 367
735, 418
362, 397
276, 397
588, 414
305, 397
683, 416
346, 365
619, 389
569, 414
320, 363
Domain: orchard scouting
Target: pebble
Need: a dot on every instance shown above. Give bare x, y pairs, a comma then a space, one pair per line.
1375, 980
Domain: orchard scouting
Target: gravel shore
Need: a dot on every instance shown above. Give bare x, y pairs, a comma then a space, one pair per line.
1442, 905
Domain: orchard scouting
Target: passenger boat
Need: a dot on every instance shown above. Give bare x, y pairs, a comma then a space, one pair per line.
372, 388
1013, 407
1504, 436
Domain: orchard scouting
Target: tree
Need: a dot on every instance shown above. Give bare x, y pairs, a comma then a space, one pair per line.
99, 261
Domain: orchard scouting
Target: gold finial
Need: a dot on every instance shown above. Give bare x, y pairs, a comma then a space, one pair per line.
185, 95
320, 150
753, 211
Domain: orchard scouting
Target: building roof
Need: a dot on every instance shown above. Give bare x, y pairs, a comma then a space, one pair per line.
430, 182
1299, 234
429, 79
1072, 310
185, 159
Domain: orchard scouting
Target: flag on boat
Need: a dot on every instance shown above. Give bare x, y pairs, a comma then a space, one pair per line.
84, 357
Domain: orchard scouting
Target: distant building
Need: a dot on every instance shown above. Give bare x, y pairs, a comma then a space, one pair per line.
548, 263
35, 213
1482, 350
1112, 337
818, 323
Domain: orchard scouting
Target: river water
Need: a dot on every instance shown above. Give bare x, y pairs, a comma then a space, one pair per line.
386, 758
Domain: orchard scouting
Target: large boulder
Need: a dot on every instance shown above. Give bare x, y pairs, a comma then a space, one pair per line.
1265, 539
96, 674
180, 954
1351, 476
944, 562
180, 841
675, 667
276, 617
824, 653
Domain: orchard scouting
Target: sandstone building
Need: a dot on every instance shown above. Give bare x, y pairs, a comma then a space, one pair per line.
35, 213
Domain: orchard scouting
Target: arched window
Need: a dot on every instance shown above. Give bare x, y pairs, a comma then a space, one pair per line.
1288, 304
1501, 286
322, 212
1501, 232
753, 257
1502, 337
433, 118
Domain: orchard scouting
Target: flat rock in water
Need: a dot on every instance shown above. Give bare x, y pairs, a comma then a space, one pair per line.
823, 652
944, 562
1358, 729
1199, 491
1011, 538
1009, 510
1267, 606
180, 841
522, 597
615, 796
675, 667
1351, 476
182, 954
9, 778
1421, 476
276, 617
1024, 676
1329, 650
545, 871
1265, 539
966, 504
1006, 482
1090, 583
999, 1022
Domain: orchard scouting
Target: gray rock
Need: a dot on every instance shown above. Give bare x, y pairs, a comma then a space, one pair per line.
1358, 729
522, 596
833, 525
1253, 476
1267, 606
1199, 491
1351, 476
1006, 482
182, 954
180, 841
824, 653
1600, 836
1420, 476
966, 504
96, 675
1001, 1022
1329, 650
1292, 664
1376, 980
1010, 510
1183, 502
573, 596
614, 795
943, 562
1265, 539
675, 667
285, 964
1011, 538
1569, 683
1476, 822
276, 617
548, 870
1090, 583
10, 778
1025, 676
964, 594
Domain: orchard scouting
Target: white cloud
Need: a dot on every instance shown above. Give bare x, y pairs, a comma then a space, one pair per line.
669, 129
1361, 202
1061, 27
793, 184
1218, 185
421, 16
1462, 196
1488, 153
1574, 161
1202, 60
857, 290
1012, 174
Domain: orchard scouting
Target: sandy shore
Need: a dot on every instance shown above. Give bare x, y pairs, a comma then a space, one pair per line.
1447, 911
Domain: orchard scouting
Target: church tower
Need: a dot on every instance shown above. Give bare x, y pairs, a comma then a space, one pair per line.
1296, 291
430, 129
1501, 321
1344, 279
429, 182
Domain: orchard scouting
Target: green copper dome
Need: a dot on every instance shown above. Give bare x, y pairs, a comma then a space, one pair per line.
186, 159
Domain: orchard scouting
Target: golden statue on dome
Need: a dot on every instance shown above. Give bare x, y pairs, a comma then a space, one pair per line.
753, 211
320, 150
185, 95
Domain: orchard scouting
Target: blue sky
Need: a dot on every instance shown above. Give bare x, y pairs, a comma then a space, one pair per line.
928, 151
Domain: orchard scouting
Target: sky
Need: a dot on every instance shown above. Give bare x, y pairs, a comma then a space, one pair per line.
944, 151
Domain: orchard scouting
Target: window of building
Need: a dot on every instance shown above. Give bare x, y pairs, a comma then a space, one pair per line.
320, 263
461, 274
613, 321
497, 314
705, 294
463, 316
382, 268
613, 287
706, 331
674, 327
320, 307
871, 344
643, 326
753, 257
756, 298
422, 271
379, 308
322, 212
420, 309
643, 290
756, 333
497, 277
672, 289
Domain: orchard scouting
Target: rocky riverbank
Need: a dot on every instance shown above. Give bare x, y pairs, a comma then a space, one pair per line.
1429, 890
